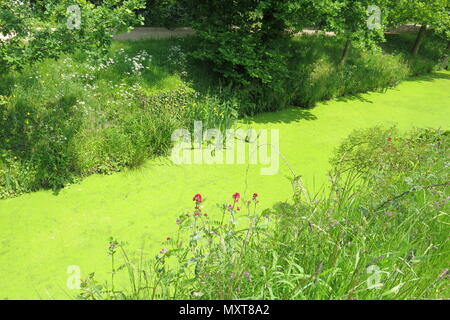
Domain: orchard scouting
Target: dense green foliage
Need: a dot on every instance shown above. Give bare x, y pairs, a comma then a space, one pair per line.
381, 233
167, 13
430, 13
47, 29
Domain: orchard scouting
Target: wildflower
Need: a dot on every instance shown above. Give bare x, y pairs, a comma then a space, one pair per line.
178, 221
197, 213
255, 195
334, 224
238, 208
205, 215
390, 214
236, 196
389, 139
198, 198
163, 251
112, 247
169, 238
247, 275
230, 207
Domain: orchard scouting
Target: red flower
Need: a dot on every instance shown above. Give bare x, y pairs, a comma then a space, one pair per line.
205, 214
197, 214
390, 139
236, 196
255, 195
238, 208
198, 198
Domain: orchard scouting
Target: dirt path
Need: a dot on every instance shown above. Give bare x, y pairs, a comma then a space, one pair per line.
154, 33
164, 33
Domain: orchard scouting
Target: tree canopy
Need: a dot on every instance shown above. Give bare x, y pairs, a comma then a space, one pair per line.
33, 30
244, 39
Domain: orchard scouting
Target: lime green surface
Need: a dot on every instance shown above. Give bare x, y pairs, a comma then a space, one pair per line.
42, 233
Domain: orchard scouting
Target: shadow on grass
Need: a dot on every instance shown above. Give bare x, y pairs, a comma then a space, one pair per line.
285, 116
355, 97
439, 75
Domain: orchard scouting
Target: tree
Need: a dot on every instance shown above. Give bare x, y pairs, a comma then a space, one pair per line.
34, 30
246, 39
359, 22
427, 13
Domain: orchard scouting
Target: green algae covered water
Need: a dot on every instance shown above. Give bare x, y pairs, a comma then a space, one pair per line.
43, 234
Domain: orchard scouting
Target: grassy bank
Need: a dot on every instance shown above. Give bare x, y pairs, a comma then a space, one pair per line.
67, 119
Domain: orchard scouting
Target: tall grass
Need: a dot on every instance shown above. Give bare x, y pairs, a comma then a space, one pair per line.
64, 120
381, 233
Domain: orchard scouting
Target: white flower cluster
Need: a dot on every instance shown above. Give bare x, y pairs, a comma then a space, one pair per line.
103, 65
137, 62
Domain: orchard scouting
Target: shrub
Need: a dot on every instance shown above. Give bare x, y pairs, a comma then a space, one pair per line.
244, 40
320, 78
37, 130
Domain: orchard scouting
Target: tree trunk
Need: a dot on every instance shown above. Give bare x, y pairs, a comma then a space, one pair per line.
272, 27
346, 52
419, 39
